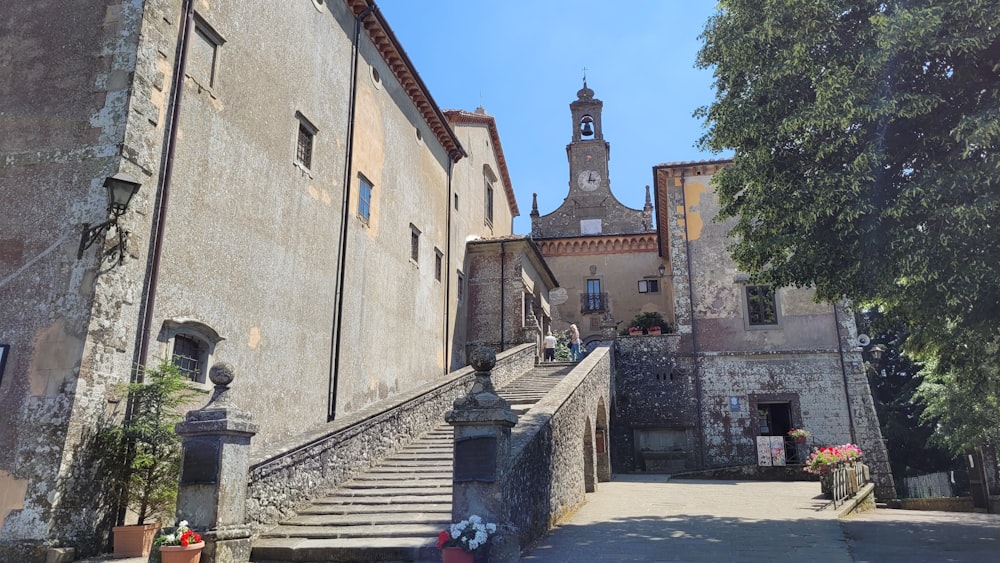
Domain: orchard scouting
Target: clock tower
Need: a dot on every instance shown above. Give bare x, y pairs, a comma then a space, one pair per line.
588, 153
590, 208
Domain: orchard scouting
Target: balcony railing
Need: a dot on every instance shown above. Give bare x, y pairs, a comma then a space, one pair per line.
593, 302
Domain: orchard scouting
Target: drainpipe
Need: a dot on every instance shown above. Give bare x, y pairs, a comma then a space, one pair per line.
140, 353
843, 372
331, 409
503, 258
447, 265
694, 333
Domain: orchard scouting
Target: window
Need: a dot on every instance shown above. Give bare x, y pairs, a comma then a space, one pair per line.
365, 199
187, 356
595, 322
489, 202
762, 305
649, 286
456, 202
203, 54
190, 345
414, 243
304, 142
461, 287
593, 300
437, 264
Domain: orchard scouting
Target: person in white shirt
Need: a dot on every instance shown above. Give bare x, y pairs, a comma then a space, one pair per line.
550, 347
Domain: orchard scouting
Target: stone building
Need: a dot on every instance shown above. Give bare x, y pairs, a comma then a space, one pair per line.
603, 253
302, 212
748, 360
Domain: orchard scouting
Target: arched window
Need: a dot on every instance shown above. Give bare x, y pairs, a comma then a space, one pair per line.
190, 345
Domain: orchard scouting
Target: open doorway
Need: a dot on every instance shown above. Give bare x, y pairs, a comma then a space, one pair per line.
775, 419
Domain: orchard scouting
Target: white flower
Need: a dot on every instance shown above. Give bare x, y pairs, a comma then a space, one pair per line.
183, 524
475, 519
491, 528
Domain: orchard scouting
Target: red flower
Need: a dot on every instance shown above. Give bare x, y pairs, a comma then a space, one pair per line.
197, 537
184, 540
443, 537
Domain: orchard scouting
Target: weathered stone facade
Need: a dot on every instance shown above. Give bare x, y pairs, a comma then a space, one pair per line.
508, 293
296, 219
738, 367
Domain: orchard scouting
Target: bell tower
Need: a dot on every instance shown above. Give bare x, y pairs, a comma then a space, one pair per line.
588, 153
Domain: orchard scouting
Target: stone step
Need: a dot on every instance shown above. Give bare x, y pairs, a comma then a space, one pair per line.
388, 530
357, 521
354, 508
417, 549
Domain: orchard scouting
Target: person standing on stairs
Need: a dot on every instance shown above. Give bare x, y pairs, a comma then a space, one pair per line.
550, 347
574, 343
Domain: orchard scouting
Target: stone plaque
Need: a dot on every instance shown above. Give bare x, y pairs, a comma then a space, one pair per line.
476, 459
201, 462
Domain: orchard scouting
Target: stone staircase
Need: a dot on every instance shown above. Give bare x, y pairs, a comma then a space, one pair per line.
395, 510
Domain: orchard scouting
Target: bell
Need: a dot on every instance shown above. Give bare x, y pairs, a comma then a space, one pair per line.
587, 129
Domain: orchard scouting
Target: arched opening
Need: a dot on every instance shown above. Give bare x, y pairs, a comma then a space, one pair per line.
602, 447
589, 473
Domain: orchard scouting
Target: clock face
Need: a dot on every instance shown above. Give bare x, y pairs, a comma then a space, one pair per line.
589, 180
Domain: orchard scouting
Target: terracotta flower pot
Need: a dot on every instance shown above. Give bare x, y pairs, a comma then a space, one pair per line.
654, 332
135, 540
181, 553
800, 439
453, 555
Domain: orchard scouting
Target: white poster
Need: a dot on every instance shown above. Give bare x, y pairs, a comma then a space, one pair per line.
763, 450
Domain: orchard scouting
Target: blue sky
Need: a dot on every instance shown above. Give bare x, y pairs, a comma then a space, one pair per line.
523, 61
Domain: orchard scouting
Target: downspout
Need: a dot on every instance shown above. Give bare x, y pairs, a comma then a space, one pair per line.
331, 409
843, 372
503, 258
140, 353
447, 267
694, 333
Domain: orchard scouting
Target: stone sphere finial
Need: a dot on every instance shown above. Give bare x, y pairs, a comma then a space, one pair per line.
483, 359
221, 374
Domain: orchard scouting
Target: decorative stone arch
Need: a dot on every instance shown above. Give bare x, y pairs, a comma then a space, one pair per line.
589, 458
601, 446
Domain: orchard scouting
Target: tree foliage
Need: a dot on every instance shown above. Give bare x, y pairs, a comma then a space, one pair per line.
865, 137
143, 453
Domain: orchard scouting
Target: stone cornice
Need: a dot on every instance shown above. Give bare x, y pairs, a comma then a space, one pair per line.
606, 244
392, 52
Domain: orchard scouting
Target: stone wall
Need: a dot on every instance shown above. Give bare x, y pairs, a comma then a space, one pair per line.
286, 477
545, 480
654, 389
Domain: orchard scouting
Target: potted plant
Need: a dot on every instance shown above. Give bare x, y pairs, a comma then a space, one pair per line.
800, 435
183, 545
634, 331
141, 455
822, 462
462, 539
653, 330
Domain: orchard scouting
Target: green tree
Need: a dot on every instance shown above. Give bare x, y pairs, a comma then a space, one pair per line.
865, 157
143, 452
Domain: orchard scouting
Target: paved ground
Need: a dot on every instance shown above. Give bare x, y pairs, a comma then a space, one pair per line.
646, 518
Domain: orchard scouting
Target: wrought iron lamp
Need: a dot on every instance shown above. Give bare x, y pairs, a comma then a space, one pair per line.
121, 187
662, 269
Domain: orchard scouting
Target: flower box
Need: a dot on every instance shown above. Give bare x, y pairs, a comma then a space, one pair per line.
653, 331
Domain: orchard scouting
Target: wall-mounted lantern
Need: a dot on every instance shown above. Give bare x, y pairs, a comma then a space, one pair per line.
662, 269
121, 187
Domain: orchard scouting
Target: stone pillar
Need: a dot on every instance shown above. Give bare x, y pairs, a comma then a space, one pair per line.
482, 421
213, 483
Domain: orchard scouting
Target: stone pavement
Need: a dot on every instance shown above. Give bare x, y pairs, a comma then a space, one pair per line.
647, 518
